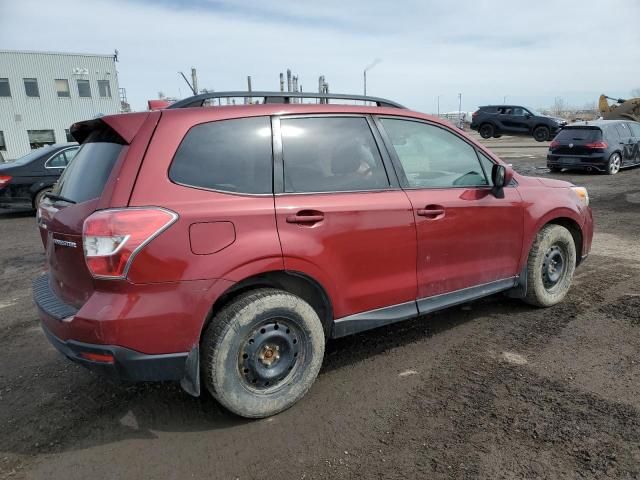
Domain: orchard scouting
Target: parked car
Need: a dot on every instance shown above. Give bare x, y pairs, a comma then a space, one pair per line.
602, 145
229, 244
27, 179
496, 120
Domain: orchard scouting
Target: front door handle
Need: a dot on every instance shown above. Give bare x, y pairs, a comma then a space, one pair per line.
306, 217
431, 212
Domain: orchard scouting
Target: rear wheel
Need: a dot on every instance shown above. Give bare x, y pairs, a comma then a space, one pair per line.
541, 133
554, 169
262, 353
39, 196
486, 130
615, 162
552, 261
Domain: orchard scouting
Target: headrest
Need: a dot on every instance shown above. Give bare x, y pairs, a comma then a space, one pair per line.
345, 159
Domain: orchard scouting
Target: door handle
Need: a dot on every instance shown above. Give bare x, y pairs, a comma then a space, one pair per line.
431, 212
306, 218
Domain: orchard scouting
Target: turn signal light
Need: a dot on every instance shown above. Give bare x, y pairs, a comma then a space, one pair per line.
112, 238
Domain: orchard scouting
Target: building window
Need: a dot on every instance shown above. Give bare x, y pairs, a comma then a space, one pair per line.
62, 87
40, 138
84, 89
70, 138
5, 91
31, 87
104, 88
3, 145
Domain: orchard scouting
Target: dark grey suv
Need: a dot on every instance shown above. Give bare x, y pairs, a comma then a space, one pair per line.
495, 120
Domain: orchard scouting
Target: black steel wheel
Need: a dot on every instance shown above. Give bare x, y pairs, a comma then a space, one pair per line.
550, 267
262, 352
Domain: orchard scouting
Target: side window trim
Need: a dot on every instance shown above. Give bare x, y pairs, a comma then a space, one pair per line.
278, 155
59, 152
404, 183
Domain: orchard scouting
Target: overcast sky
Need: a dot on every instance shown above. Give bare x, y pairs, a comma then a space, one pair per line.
530, 52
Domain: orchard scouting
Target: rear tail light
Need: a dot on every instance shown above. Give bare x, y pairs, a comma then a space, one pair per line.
600, 144
4, 180
112, 238
554, 144
474, 114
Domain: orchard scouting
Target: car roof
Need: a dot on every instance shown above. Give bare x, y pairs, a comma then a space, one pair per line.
598, 123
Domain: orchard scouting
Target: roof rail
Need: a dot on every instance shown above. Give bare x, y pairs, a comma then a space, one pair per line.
280, 97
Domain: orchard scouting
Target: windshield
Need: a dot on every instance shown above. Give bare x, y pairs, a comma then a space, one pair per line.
30, 156
569, 134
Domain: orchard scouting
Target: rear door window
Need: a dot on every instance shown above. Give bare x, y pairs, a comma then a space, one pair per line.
227, 155
331, 154
623, 130
86, 176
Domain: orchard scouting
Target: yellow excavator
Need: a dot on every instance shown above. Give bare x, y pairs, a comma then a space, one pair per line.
621, 109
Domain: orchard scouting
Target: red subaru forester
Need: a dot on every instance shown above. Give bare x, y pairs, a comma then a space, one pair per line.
226, 244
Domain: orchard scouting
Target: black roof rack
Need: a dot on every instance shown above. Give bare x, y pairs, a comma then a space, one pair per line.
280, 97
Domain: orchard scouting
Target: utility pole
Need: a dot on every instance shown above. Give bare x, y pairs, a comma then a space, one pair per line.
366, 69
194, 80
460, 111
438, 105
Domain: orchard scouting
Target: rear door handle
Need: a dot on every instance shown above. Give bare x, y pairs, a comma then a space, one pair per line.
431, 212
306, 218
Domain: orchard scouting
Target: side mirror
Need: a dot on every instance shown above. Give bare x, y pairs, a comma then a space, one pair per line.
501, 176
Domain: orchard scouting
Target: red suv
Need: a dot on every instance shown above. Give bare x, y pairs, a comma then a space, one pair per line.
226, 244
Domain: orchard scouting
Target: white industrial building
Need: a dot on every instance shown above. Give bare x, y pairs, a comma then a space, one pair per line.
43, 93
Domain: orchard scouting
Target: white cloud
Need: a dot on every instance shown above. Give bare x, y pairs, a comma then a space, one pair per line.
486, 50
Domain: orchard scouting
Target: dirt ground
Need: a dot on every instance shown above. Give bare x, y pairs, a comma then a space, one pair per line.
493, 389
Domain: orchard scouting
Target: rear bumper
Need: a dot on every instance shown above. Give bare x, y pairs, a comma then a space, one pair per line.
139, 332
583, 162
127, 365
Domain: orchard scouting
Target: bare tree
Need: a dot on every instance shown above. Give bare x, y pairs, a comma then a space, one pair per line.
559, 106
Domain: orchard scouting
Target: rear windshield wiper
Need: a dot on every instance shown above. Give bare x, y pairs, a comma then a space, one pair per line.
53, 196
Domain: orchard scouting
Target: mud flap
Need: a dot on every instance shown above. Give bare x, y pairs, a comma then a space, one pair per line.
520, 289
190, 383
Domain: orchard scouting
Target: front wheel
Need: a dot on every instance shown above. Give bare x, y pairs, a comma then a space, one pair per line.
262, 352
541, 134
615, 162
552, 261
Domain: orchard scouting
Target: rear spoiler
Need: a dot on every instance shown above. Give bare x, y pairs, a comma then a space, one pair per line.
125, 125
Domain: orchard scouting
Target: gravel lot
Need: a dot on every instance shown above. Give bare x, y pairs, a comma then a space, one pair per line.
493, 389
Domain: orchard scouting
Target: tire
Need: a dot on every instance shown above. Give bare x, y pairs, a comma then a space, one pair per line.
262, 352
486, 130
38, 198
497, 135
541, 133
554, 169
545, 285
614, 163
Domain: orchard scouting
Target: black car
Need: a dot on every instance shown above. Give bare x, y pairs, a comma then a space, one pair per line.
495, 120
601, 145
27, 179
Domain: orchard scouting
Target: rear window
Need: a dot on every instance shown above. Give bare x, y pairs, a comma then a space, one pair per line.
569, 134
227, 155
87, 174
